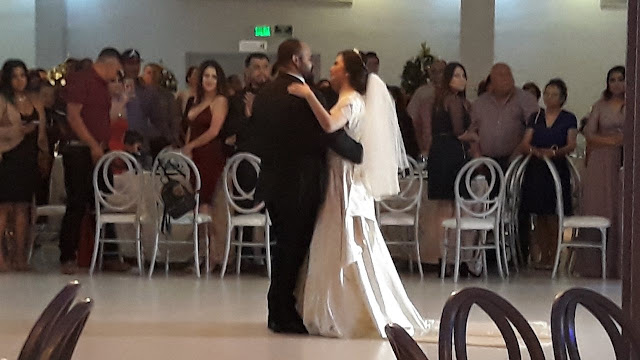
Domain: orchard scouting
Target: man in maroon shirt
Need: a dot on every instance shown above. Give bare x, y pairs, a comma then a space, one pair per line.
88, 104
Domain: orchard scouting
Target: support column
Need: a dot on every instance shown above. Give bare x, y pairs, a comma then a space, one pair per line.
51, 32
477, 27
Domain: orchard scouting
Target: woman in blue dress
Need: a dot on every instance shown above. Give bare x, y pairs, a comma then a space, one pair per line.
552, 133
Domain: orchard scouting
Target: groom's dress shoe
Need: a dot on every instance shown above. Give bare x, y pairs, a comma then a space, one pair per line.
290, 327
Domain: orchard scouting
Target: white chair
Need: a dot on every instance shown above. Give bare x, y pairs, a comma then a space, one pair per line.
404, 210
479, 212
117, 204
577, 222
180, 168
242, 211
510, 211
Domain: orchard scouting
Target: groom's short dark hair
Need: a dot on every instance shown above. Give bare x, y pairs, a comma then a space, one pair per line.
286, 50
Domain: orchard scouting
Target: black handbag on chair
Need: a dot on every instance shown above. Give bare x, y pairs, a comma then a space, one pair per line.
178, 197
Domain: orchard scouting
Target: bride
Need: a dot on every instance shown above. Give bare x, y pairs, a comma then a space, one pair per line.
352, 288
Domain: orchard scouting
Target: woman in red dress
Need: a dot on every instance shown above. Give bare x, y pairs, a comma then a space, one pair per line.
206, 118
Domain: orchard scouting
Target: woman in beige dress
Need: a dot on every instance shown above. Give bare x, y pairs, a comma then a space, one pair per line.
602, 177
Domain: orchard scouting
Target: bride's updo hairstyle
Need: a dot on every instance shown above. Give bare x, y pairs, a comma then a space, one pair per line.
355, 67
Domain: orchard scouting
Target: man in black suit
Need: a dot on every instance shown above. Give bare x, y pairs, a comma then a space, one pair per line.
292, 146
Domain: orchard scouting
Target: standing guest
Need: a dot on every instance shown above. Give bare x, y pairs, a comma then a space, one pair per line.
330, 95
84, 64
190, 92
484, 86
420, 105
21, 123
206, 120
165, 111
235, 84
141, 101
372, 62
550, 133
404, 121
257, 70
533, 89
601, 185
88, 105
499, 116
118, 114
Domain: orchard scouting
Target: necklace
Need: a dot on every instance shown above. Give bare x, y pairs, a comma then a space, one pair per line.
21, 98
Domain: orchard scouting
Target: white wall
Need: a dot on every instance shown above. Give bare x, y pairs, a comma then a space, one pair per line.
18, 30
167, 29
571, 39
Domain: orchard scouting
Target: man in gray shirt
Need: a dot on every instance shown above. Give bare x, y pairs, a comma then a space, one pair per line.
499, 116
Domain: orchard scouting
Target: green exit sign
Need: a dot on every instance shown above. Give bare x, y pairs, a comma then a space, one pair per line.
262, 31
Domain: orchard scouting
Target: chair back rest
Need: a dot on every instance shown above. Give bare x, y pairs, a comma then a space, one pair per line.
239, 198
557, 186
178, 167
610, 315
510, 181
63, 340
404, 347
576, 185
453, 324
479, 202
127, 196
410, 195
54, 311
517, 182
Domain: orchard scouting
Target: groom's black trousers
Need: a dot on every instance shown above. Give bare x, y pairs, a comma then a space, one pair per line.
293, 216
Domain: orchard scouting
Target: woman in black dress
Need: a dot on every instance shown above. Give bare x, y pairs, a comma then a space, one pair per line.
21, 124
552, 133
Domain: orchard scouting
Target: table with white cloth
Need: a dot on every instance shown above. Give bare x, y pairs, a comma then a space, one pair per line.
149, 213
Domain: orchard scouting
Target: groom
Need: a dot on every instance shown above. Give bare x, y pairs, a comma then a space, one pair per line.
292, 146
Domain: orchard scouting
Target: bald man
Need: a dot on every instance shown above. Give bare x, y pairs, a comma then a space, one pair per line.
499, 116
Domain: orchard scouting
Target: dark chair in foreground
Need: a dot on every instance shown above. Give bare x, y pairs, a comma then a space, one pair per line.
64, 337
403, 344
453, 324
51, 315
563, 324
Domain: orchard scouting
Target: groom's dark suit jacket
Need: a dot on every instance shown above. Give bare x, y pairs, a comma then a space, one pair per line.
286, 135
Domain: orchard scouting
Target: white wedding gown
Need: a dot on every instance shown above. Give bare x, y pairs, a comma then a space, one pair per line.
352, 288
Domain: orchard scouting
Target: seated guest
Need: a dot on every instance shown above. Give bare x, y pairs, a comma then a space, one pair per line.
602, 193
404, 120
533, 89
551, 133
21, 124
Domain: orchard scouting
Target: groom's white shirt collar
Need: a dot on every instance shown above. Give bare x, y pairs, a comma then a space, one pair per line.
298, 77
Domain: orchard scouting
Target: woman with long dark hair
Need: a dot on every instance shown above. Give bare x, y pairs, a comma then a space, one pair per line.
206, 119
21, 123
601, 191
352, 287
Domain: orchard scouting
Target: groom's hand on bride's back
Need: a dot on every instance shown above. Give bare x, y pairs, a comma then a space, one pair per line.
345, 146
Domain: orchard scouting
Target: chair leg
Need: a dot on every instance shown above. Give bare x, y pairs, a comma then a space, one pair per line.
513, 247
166, 262
556, 262
456, 270
196, 252
207, 243
496, 241
502, 240
96, 247
443, 262
139, 250
417, 240
101, 258
267, 244
485, 267
603, 233
240, 235
154, 255
227, 248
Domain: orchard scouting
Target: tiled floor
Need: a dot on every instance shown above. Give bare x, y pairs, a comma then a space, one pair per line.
180, 317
